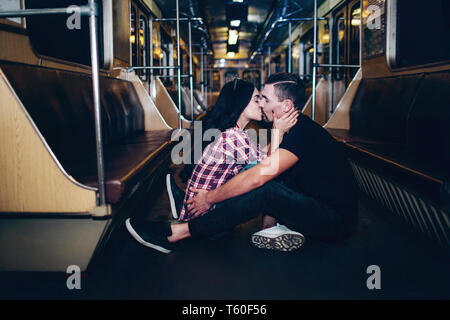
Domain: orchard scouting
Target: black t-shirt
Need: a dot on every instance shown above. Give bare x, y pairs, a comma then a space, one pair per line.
323, 171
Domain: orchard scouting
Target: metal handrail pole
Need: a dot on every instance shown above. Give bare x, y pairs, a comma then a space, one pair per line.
337, 66
290, 48
261, 82
313, 101
96, 96
151, 44
201, 74
84, 11
172, 76
178, 62
152, 68
178, 19
191, 71
300, 19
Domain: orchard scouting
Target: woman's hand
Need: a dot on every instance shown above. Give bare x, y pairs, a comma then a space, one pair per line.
286, 122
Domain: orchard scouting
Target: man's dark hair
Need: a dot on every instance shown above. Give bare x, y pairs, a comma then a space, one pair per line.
288, 86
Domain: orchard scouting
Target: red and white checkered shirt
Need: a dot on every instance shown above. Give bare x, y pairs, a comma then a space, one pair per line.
222, 160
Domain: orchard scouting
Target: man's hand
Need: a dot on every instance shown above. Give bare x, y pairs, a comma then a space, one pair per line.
198, 204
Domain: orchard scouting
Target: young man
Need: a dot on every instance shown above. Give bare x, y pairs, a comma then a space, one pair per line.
307, 185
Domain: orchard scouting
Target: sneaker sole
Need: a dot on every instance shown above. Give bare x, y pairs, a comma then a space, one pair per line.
173, 208
285, 242
142, 241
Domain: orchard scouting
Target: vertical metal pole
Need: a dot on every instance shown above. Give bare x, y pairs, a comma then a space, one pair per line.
290, 48
151, 44
269, 61
191, 71
150, 82
262, 71
178, 63
330, 70
202, 78
96, 96
313, 106
300, 56
207, 81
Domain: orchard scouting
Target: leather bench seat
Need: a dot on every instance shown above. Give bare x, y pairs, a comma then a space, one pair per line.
399, 127
125, 164
60, 104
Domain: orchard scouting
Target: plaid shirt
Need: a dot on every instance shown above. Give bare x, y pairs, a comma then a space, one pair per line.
222, 160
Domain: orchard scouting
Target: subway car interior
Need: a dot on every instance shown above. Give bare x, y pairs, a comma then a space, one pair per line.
95, 95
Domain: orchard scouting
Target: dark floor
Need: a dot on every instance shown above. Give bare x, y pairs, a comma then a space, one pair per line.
230, 268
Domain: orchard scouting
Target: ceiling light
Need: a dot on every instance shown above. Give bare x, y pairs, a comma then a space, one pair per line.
233, 36
235, 23
238, 0
356, 22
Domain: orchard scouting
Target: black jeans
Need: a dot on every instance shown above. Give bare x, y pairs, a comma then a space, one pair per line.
292, 209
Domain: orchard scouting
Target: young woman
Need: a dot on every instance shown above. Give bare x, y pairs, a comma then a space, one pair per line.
233, 150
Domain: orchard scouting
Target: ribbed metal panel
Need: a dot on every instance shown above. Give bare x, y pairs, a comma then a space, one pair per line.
422, 215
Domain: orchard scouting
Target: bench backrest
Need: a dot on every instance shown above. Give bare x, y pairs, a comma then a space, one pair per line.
380, 108
428, 132
61, 105
412, 110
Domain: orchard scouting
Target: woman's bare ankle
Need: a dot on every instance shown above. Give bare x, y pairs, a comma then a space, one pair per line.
180, 231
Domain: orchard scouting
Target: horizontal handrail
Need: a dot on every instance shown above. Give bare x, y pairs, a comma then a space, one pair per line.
84, 11
337, 66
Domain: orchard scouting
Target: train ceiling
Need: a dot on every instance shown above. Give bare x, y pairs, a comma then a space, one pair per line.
215, 31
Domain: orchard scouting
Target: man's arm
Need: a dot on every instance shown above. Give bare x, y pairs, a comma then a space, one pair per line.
244, 182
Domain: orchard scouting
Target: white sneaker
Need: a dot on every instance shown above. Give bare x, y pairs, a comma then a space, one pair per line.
279, 238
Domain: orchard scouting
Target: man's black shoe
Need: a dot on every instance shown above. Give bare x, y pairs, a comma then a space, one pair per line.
152, 234
176, 196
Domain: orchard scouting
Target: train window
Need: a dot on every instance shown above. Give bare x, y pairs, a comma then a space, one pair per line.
339, 47
11, 5
50, 36
418, 32
143, 45
231, 75
306, 55
133, 36
276, 62
296, 57
216, 80
309, 51
253, 76
324, 44
163, 52
355, 26
138, 39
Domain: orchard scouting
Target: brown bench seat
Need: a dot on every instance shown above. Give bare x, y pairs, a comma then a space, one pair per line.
399, 147
125, 163
399, 127
60, 104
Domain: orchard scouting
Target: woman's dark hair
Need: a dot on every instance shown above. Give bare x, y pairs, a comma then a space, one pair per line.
233, 98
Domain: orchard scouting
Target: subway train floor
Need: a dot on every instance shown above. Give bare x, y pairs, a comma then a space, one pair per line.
231, 268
